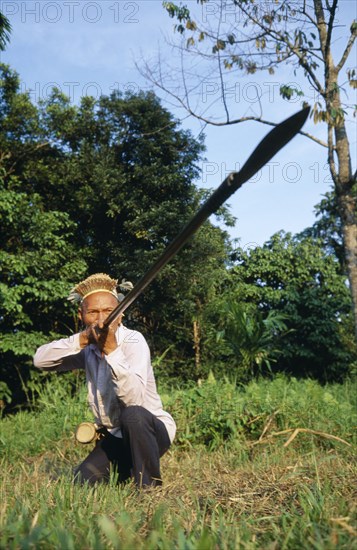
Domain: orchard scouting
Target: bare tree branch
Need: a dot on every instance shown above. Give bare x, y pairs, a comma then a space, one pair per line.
332, 11
293, 48
345, 54
220, 73
308, 16
184, 102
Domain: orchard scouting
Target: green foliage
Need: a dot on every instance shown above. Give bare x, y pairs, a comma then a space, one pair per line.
181, 13
293, 276
5, 29
288, 92
328, 228
211, 413
103, 186
251, 335
5, 394
220, 490
217, 412
58, 405
267, 36
37, 264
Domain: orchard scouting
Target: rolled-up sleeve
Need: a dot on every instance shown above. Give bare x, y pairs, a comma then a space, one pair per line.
60, 355
130, 364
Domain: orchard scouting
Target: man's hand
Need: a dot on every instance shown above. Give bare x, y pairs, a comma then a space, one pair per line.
88, 336
104, 339
107, 341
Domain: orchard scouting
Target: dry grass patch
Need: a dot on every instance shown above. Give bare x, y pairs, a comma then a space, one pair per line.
249, 490
253, 487
250, 502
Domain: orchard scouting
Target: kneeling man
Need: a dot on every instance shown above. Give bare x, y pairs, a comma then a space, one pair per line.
122, 394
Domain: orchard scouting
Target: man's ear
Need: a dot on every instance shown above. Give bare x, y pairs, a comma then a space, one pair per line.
80, 316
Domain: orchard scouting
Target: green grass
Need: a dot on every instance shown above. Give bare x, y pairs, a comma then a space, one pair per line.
229, 481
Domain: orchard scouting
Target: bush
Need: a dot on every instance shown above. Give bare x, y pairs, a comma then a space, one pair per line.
218, 412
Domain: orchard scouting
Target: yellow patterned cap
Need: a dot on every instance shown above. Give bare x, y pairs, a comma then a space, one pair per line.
99, 282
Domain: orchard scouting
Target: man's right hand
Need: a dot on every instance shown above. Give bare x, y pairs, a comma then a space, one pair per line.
88, 336
105, 339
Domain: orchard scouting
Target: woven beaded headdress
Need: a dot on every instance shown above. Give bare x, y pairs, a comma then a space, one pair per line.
99, 282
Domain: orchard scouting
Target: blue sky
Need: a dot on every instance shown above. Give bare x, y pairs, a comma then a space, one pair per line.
90, 47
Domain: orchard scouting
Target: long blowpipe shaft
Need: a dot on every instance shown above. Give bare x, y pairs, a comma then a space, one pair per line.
263, 153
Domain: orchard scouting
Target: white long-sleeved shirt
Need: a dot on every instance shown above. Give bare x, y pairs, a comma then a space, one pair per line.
122, 378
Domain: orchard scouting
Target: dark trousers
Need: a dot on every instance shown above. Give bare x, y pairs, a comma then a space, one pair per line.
137, 454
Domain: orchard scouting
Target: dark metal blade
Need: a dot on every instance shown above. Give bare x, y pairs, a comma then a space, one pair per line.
275, 140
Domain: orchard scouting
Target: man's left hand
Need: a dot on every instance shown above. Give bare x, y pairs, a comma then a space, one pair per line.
107, 341
105, 338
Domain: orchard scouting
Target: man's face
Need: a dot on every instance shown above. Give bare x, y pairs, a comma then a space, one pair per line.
96, 308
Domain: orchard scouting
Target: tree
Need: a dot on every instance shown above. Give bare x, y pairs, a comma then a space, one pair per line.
328, 229
132, 150
293, 276
38, 263
5, 29
122, 171
266, 36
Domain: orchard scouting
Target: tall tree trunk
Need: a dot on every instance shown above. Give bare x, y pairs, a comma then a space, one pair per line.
345, 186
348, 209
346, 190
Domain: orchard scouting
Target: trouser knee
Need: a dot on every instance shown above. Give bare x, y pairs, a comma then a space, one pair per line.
133, 415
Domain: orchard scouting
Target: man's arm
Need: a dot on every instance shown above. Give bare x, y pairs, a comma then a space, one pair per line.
60, 355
